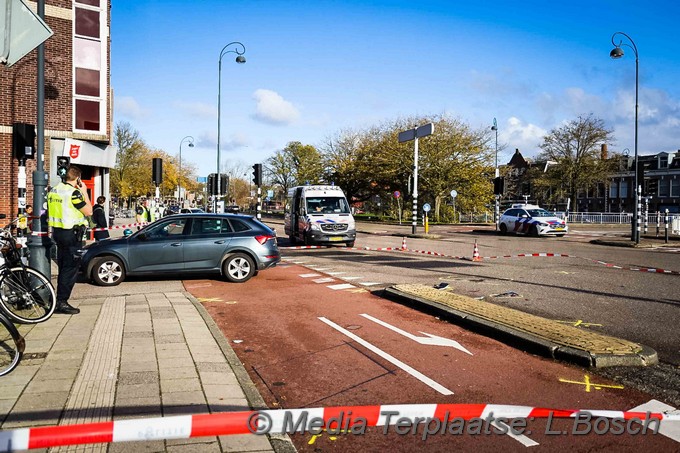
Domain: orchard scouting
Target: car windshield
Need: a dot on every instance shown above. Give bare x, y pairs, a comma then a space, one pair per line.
327, 205
539, 213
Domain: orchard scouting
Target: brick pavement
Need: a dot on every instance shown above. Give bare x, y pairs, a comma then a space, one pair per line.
142, 349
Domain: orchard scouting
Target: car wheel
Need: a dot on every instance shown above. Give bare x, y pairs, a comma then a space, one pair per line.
534, 231
350, 244
108, 271
503, 228
238, 268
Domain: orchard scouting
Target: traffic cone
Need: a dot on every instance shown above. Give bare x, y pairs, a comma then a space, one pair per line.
475, 253
403, 243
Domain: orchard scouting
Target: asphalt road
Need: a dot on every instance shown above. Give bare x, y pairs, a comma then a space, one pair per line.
303, 333
309, 339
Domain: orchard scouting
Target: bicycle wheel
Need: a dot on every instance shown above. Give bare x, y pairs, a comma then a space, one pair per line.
26, 295
11, 346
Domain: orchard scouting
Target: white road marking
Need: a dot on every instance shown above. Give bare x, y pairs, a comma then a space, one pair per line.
336, 273
670, 429
351, 278
521, 438
369, 283
416, 374
309, 275
323, 280
341, 286
429, 339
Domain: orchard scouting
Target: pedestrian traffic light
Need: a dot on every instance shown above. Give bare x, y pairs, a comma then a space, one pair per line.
212, 184
63, 164
224, 184
498, 185
157, 171
257, 174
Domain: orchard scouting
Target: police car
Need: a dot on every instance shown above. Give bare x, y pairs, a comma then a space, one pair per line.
532, 220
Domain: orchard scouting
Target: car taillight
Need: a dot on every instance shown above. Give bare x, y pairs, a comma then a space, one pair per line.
264, 238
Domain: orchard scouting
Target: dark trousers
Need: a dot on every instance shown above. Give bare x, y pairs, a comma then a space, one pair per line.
68, 243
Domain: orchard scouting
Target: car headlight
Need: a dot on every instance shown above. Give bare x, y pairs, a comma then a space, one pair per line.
316, 227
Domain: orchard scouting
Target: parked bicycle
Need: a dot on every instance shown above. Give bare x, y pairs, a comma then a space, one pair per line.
12, 345
26, 295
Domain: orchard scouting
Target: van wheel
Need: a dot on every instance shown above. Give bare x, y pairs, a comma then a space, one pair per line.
308, 241
293, 239
350, 244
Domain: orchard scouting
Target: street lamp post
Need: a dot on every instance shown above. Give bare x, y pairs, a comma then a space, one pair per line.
179, 177
496, 210
239, 51
617, 52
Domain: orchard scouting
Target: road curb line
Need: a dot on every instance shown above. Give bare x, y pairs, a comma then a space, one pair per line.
524, 339
281, 443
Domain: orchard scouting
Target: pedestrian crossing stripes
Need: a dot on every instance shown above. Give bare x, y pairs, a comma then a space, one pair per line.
341, 286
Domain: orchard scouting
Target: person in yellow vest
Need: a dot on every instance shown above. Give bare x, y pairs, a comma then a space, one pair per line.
144, 214
67, 206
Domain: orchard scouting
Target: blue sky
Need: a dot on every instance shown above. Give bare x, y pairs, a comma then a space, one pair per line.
316, 67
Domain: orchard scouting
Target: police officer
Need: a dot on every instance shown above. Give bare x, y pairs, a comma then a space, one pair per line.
144, 214
67, 206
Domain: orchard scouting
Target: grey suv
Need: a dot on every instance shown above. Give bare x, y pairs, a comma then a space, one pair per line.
235, 246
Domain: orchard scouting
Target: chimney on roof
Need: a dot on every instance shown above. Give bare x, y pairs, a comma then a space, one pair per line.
603, 152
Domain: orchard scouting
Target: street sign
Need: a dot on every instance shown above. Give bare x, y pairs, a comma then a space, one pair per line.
425, 130
407, 136
421, 131
397, 194
426, 207
21, 31
454, 194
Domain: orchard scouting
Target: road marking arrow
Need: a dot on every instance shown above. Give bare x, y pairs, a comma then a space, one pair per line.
390, 358
429, 339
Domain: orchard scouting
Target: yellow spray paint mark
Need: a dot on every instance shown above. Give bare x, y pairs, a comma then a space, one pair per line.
579, 322
316, 436
217, 300
588, 385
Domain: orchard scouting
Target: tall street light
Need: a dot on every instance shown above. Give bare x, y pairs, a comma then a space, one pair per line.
617, 52
496, 175
179, 178
239, 50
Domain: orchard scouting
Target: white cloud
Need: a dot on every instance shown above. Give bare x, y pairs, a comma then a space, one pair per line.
273, 109
228, 143
526, 137
129, 107
198, 109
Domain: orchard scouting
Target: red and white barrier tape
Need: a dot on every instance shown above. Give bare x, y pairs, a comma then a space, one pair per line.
651, 270
280, 421
528, 255
116, 227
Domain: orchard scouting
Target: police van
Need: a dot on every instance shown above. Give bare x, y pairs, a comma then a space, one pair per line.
319, 215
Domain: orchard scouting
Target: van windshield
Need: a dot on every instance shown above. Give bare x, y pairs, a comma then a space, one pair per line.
327, 205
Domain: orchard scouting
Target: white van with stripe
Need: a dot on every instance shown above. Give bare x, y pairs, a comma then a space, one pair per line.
319, 215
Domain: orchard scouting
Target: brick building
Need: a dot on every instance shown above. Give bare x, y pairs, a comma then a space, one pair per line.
78, 100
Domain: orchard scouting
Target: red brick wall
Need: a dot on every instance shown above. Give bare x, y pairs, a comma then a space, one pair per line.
18, 100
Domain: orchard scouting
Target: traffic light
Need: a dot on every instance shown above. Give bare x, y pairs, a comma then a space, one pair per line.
212, 184
224, 184
157, 171
257, 174
498, 185
23, 138
652, 187
63, 164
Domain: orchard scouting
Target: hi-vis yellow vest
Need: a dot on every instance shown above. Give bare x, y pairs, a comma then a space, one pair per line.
60, 210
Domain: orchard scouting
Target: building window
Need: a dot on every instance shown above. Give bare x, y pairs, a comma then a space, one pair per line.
87, 115
675, 187
664, 187
90, 66
614, 189
663, 161
624, 189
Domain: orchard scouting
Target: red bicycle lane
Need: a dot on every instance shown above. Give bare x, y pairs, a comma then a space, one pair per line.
307, 345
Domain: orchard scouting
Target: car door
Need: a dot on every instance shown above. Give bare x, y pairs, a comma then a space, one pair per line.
206, 243
159, 247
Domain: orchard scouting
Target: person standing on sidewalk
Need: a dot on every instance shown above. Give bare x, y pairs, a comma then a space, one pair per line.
144, 214
99, 219
67, 206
